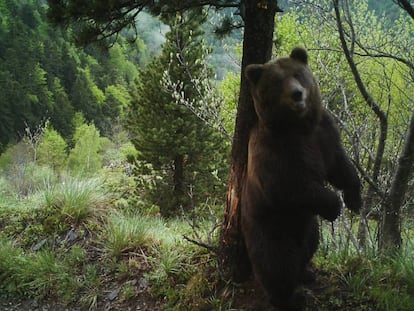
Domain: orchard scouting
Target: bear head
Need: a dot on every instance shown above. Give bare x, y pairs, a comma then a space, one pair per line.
285, 92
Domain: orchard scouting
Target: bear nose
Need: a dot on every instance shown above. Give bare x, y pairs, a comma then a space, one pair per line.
297, 95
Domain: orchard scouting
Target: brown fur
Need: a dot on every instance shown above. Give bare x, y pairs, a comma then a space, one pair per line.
294, 149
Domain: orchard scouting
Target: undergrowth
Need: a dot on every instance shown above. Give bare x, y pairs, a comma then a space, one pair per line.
72, 241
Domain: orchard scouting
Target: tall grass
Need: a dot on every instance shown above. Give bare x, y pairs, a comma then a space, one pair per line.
35, 274
375, 282
125, 232
403, 264
77, 198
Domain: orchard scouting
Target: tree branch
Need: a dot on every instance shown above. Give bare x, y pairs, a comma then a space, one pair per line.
406, 6
209, 247
365, 94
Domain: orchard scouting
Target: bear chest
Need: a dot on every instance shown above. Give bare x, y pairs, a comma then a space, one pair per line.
283, 167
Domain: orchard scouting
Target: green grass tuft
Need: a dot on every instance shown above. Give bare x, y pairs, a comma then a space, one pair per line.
35, 274
78, 199
126, 232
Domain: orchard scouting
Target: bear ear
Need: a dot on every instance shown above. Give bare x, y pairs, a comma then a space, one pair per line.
300, 55
253, 73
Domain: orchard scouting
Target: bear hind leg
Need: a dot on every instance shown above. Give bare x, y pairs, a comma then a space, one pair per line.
279, 273
311, 246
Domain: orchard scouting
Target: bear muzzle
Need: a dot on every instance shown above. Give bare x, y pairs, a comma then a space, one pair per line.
297, 95
298, 98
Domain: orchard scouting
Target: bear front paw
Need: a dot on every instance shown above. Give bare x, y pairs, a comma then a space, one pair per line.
332, 214
353, 201
332, 208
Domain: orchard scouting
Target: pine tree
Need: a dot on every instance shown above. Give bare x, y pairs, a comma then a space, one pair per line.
182, 149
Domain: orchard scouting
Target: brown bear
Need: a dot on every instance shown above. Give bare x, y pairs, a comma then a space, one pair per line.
294, 150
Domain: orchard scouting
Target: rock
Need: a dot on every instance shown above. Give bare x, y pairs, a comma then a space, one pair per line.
71, 236
39, 245
114, 294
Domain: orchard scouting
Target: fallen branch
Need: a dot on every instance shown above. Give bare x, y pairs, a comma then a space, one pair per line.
209, 247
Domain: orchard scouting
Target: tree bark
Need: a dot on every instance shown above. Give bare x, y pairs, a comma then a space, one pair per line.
390, 231
179, 187
257, 48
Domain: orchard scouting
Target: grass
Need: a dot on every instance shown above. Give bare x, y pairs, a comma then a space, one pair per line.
77, 198
119, 248
125, 232
366, 281
91, 287
35, 274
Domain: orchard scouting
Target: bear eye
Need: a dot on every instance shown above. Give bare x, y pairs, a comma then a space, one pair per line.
298, 76
301, 78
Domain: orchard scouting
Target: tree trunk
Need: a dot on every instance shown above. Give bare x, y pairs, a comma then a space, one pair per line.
257, 48
179, 187
390, 231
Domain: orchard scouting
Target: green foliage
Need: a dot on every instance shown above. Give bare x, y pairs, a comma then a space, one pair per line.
230, 88
372, 283
77, 199
26, 178
172, 267
34, 275
127, 232
86, 95
44, 76
128, 246
85, 158
117, 96
52, 149
186, 155
91, 287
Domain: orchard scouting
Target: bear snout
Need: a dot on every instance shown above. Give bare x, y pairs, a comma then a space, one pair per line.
298, 99
297, 95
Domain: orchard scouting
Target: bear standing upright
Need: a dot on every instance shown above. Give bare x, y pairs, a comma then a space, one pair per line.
294, 150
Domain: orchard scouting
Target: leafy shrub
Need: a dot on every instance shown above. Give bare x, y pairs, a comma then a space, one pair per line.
52, 149
85, 158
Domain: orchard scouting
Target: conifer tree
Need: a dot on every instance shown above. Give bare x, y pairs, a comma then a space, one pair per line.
182, 149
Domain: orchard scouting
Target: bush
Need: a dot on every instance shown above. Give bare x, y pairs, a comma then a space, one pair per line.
85, 158
52, 149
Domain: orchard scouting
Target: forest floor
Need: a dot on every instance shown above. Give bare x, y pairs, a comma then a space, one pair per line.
115, 258
328, 292
247, 298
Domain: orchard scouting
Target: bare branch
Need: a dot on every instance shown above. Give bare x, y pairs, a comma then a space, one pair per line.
209, 247
406, 6
365, 94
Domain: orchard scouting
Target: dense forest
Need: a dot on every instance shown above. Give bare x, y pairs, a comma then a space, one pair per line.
115, 154
45, 77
